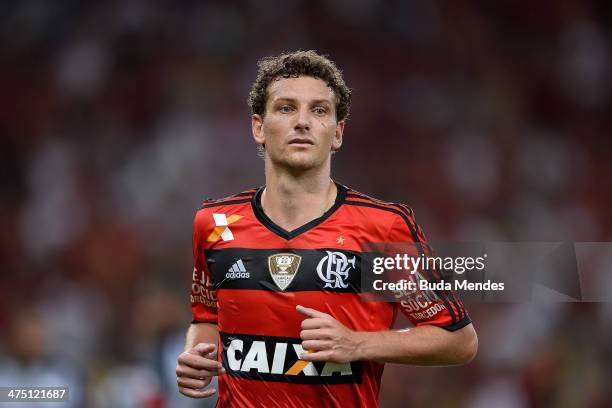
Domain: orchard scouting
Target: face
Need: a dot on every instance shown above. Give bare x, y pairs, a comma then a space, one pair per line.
299, 129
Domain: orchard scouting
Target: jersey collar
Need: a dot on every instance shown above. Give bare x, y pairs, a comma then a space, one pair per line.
281, 232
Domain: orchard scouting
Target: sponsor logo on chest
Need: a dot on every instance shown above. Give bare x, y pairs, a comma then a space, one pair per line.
222, 230
277, 359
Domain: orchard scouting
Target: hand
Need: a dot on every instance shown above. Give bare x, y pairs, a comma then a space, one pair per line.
195, 369
326, 339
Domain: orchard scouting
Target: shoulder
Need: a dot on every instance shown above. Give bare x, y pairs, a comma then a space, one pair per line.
399, 216
391, 209
224, 205
239, 198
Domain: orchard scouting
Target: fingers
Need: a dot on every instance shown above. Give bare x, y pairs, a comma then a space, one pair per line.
316, 345
195, 368
185, 371
192, 383
306, 311
324, 355
315, 334
198, 362
203, 349
197, 393
315, 323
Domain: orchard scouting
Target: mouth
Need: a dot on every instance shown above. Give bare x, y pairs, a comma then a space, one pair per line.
301, 141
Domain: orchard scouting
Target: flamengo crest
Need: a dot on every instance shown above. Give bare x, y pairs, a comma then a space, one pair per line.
334, 269
283, 268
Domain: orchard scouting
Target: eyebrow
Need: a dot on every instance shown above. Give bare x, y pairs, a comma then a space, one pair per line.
314, 102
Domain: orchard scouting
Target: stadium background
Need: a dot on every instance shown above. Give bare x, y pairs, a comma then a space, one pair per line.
491, 119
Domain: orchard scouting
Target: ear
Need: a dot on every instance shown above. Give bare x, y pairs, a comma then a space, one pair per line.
257, 128
337, 140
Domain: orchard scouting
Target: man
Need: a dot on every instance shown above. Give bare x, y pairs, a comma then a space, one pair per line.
276, 309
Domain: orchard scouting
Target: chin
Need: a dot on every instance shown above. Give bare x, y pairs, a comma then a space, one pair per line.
300, 162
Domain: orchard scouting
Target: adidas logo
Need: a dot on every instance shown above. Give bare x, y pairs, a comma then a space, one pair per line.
237, 271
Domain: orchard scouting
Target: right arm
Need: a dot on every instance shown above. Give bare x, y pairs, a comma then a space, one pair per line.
198, 363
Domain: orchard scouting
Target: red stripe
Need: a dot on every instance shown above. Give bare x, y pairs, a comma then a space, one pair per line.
276, 314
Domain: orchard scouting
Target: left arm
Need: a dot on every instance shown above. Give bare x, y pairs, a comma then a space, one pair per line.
326, 339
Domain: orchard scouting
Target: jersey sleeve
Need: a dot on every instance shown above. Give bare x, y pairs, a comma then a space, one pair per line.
203, 294
441, 308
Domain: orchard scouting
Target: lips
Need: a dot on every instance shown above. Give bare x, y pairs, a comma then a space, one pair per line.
301, 140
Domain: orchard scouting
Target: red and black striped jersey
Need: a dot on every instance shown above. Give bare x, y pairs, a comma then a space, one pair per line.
250, 274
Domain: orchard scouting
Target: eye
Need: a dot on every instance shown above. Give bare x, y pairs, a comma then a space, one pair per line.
320, 110
285, 109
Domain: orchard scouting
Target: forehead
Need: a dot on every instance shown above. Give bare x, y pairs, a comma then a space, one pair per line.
300, 88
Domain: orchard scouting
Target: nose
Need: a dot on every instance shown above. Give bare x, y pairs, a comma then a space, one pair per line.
303, 120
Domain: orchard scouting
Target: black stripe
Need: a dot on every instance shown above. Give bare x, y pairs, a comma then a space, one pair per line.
257, 274
229, 202
238, 360
407, 209
459, 325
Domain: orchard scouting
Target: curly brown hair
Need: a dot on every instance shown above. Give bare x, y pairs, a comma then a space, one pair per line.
293, 65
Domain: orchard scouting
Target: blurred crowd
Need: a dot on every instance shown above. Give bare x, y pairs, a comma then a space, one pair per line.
492, 120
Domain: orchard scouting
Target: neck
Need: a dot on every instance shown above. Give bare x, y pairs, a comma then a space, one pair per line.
292, 199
